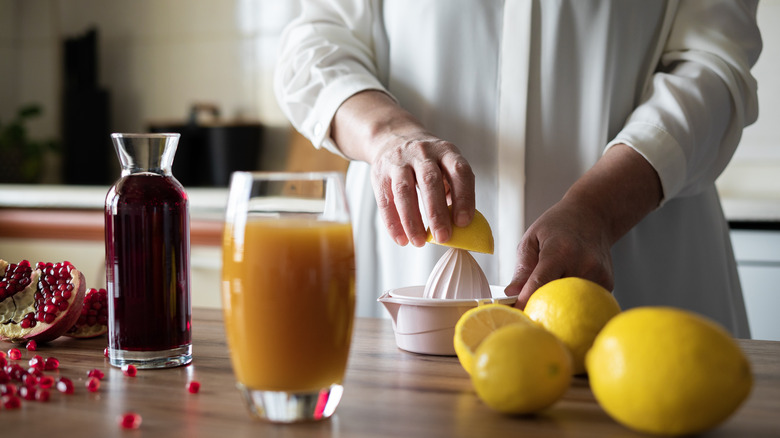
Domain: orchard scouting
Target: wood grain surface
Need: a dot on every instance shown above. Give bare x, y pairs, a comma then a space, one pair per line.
388, 393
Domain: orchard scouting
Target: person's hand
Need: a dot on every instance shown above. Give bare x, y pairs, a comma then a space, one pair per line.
405, 163
568, 240
404, 157
575, 236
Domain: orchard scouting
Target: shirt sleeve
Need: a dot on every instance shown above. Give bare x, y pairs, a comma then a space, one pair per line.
700, 96
326, 55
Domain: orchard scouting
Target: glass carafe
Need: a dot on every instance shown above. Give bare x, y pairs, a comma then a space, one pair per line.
147, 228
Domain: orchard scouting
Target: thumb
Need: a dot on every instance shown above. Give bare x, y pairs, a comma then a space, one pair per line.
527, 259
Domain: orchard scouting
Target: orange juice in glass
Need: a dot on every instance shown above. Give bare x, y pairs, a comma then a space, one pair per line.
288, 292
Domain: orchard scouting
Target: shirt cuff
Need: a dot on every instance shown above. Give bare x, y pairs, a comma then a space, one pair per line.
660, 149
317, 125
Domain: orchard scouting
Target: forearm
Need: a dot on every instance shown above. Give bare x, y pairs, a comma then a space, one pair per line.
620, 190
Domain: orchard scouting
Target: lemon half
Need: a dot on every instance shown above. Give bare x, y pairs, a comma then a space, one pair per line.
477, 323
476, 236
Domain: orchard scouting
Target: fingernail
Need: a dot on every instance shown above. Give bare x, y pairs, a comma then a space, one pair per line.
462, 219
441, 235
418, 241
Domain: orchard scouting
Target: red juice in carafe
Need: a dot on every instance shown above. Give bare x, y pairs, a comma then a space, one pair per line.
147, 231
147, 222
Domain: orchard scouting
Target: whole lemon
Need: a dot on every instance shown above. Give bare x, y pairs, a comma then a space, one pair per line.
521, 369
574, 310
667, 371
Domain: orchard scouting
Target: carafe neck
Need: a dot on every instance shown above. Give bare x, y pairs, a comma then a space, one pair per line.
145, 153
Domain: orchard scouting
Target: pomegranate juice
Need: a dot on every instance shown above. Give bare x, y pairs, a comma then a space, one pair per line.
147, 263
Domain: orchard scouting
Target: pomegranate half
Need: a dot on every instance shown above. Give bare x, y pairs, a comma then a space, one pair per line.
39, 304
93, 320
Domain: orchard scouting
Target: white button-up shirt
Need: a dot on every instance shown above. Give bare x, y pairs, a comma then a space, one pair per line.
532, 93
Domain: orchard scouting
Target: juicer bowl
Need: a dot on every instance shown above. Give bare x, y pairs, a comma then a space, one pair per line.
427, 325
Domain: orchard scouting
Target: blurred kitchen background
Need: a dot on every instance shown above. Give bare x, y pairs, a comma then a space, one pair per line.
72, 71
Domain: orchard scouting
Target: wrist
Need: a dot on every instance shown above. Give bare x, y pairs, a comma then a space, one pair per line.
367, 121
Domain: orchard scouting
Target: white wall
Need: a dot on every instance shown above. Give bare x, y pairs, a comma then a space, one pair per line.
760, 140
156, 57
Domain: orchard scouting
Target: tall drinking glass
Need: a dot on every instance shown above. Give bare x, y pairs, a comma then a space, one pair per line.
288, 291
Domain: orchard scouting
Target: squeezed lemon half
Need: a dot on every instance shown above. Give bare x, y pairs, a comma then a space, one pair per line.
476, 236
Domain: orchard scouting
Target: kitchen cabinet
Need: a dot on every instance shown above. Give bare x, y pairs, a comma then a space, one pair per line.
758, 261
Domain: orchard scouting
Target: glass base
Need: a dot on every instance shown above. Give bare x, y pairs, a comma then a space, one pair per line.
292, 407
151, 359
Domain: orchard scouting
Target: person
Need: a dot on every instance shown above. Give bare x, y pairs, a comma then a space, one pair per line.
589, 133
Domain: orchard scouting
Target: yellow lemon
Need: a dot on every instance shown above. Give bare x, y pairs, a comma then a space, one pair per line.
521, 369
476, 236
667, 371
574, 310
478, 322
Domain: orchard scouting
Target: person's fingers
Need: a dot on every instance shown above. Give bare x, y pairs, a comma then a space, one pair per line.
383, 193
439, 172
407, 205
459, 175
432, 190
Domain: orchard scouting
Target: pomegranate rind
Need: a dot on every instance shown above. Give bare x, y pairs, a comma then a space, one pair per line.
42, 332
86, 331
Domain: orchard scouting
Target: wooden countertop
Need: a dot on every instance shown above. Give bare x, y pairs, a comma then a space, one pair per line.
388, 393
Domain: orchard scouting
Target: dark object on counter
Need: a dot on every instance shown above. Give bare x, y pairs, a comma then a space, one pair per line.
86, 144
210, 151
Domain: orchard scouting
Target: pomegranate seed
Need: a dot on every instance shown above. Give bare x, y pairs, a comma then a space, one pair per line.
3, 361
27, 392
32, 345
14, 354
11, 402
29, 379
65, 385
105, 352
93, 384
4, 377
45, 382
8, 389
193, 387
2, 354
16, 372
42, 395
52, 363
34, 371
37, 362
96, 373
130, 420
130, 370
